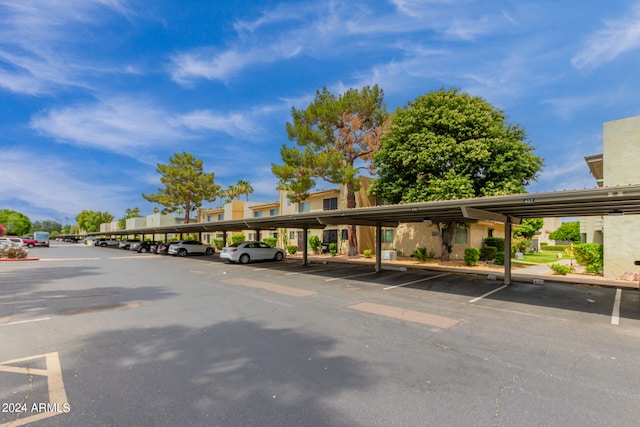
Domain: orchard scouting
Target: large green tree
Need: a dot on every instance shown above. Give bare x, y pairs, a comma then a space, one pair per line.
47, 225
129, 213
568, 231
529, 227
186, 185
90, 221
450, 145
337, 137
15, 223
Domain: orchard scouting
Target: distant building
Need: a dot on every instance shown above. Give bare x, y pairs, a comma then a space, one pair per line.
618, 165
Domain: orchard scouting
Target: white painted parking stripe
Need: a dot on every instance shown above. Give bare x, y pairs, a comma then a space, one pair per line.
488, 293
69, 259
349, 277
416, 281
615, 316
25, 321
312, 271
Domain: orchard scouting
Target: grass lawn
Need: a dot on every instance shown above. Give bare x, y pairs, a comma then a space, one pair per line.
544, 257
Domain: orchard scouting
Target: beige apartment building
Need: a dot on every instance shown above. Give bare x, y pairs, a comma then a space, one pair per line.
618, 165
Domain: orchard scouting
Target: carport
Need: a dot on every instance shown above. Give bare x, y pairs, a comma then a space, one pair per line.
509, 210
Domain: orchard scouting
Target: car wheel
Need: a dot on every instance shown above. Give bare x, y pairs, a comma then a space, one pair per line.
209, 251
103, 245
182, 252
30, 245
244, 259
143, 250
278, 256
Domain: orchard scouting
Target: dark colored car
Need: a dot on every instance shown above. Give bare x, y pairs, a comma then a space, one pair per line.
146, 246
163, 248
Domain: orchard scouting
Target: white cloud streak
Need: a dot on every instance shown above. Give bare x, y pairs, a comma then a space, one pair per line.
619, 36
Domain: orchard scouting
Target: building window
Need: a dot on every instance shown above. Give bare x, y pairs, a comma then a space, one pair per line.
330, 204
345, 234
257, 214
388, 235
220, 217
462, 235
274, 212
209, 218
292, 235
304, 207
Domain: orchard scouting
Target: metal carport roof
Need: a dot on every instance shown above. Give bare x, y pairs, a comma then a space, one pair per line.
620, 200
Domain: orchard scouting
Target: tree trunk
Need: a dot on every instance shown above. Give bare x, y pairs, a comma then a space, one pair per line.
351, 230
447, 236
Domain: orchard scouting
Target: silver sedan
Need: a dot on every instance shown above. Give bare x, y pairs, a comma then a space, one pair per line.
245, 252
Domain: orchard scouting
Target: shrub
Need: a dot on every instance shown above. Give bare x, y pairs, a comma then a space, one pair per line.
237, 238
13, 252
271, 241
471, 256
520, 244
496, 242
421, 253
367, 253
314, 243
218, 243
561, 269
333, 249
292, 249
499, 260
488, 253
589, 255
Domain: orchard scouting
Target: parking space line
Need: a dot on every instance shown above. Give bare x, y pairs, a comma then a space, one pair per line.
488, 293
313, 271
416, 281
18, 322
349, 277
615, 315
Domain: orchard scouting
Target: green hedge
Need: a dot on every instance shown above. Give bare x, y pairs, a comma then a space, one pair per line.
487, 253
271, 241
471, 256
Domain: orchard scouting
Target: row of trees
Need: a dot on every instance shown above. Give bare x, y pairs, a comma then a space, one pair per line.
444, 145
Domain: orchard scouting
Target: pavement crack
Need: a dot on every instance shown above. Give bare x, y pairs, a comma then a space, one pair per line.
499, 395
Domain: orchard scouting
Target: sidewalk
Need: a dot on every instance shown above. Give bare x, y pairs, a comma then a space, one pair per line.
518, 273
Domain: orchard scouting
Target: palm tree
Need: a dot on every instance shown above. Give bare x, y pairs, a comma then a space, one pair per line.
244, 187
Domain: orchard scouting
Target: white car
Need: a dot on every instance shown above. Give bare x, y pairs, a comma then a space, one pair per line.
189, 247
245, 252
15, 240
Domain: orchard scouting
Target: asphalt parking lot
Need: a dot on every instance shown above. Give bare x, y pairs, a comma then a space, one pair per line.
142, 339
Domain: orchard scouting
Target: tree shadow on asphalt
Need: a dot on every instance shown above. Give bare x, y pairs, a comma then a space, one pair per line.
229, 374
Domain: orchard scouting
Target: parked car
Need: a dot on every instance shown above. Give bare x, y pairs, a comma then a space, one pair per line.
163, 248
30, 242
15, 240
102, 242
145, 246
5, 242
189, 247
126, 244
245, 252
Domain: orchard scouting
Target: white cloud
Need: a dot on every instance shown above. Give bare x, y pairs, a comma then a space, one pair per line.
48, 184
121, 125
37, 41
605, 45
234, 124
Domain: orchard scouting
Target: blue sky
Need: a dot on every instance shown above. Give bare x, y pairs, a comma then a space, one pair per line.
95, 93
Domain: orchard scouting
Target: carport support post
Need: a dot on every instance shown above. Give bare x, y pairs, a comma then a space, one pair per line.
507, 252
378, 247
304, 246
